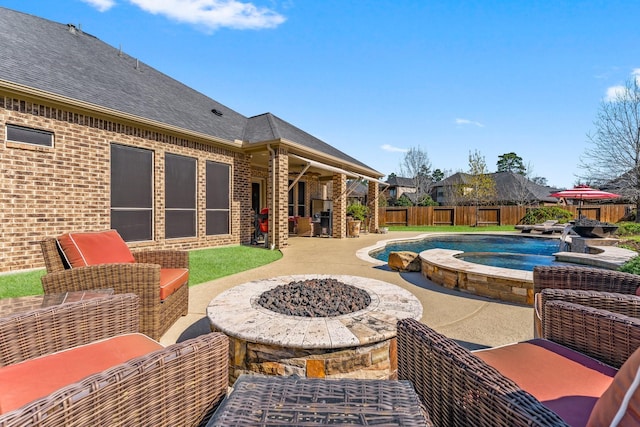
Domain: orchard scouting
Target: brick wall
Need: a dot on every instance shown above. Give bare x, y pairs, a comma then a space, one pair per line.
48, 191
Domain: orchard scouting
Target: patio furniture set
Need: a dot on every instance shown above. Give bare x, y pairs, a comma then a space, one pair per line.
86, 353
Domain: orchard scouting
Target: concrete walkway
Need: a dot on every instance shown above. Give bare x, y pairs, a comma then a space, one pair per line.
475, 322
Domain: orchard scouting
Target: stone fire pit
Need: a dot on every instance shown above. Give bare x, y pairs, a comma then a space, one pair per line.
360, 344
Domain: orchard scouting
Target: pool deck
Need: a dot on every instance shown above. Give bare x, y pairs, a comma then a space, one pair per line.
474, 321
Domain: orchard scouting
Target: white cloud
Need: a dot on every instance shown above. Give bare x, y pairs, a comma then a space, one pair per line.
213, 14
620, 92
468, 122
391, 148
614, 93
101, 5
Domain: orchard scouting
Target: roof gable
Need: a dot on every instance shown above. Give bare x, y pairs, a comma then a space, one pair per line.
268, 127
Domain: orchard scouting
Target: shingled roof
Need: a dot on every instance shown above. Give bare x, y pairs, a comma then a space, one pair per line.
267, 127
509, 186
66, 61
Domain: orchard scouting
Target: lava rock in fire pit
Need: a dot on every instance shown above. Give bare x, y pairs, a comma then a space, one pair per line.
315, 298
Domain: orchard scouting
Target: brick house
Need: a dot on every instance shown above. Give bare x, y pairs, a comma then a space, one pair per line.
91, 139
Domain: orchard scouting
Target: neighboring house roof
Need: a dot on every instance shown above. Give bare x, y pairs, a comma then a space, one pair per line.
62, 60
358, 190
509, 186
398, 181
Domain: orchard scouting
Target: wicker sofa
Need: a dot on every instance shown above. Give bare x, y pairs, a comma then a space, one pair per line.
461, 388
181, 384
142, 277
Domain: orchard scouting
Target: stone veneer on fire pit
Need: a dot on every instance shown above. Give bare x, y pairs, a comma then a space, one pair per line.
361, 344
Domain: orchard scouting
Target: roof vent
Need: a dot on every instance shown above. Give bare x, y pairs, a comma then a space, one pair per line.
216, 112
72, 28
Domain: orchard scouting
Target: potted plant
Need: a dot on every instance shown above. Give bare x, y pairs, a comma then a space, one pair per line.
357, 212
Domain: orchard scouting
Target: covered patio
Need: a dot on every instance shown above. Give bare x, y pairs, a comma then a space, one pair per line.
297, 175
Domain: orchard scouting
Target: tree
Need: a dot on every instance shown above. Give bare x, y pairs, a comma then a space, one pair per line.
481, 187
540, 180
437, 175
511, 162
613, 158
417, 166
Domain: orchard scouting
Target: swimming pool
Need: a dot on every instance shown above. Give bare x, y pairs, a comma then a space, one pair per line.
515, 252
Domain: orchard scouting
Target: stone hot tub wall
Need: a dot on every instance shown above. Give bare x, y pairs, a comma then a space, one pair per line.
441, 267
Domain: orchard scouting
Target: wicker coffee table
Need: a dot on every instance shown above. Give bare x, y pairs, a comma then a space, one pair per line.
260, 400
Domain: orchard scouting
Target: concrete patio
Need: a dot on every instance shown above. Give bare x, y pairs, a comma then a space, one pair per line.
474, 321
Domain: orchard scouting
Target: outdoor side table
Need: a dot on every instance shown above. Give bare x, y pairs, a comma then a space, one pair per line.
261, 400
9, 306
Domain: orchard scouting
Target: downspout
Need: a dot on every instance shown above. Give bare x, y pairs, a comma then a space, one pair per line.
272, 210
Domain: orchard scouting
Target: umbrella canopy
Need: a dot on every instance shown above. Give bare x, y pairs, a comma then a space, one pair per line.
584, 192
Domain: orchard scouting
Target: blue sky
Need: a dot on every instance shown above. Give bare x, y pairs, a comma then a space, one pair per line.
375, 78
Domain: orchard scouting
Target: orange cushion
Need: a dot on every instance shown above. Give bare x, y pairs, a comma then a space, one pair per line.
621, 401
171, 279
105, 247
32, 379
565, 381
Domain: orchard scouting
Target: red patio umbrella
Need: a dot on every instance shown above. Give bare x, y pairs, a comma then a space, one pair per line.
584, 192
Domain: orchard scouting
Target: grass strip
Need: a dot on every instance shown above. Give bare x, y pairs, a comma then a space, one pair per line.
205, 265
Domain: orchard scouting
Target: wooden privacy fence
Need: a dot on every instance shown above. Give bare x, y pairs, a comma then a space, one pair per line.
487, 215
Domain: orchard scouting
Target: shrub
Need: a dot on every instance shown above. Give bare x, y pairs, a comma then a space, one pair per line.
546, 213
628, 228
631, 266
357, 211
426, 200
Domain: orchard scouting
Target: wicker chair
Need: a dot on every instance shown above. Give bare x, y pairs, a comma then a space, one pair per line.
580, 279
141, 278
460, 389
181, 384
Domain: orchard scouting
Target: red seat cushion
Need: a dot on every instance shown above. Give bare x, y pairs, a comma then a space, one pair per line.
171, 279
32, 379
565, 381
105, 247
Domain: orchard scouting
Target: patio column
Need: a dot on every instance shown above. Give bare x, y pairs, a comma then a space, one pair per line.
277, 198
339, 214
372, 204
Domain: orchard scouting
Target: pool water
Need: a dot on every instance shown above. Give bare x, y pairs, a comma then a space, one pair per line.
517, 252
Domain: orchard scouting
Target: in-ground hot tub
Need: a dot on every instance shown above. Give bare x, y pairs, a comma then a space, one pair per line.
360, 344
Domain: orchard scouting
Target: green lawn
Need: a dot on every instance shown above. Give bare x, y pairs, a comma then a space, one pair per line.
205, 265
